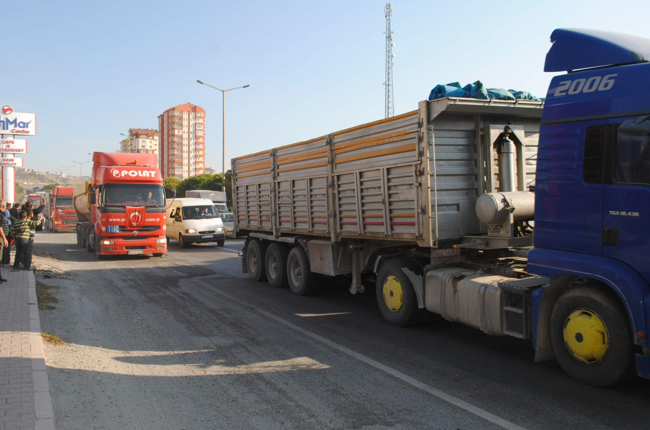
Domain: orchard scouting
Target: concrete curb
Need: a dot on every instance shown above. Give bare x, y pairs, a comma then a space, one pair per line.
42, 400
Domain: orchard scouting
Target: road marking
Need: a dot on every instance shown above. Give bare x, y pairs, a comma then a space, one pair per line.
377, 365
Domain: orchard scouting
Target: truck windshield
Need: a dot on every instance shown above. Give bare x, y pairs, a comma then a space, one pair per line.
221, 208
132, 195
198, 212
64, 202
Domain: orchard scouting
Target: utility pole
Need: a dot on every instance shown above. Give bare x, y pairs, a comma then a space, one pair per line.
388, 83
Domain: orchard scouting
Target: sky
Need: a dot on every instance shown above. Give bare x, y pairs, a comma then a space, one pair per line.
91, 70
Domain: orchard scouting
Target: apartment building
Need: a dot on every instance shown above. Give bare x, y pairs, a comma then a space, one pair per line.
140, 141
182, 141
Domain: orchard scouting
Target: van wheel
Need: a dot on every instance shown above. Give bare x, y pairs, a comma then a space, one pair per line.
300, 278
276, 265
396, 297
221, 242
182, 241
255, 256
591, 336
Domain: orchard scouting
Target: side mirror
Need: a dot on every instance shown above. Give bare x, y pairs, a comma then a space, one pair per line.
92, 199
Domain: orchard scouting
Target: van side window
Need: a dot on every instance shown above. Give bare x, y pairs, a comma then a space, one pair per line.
632, 164
593, 165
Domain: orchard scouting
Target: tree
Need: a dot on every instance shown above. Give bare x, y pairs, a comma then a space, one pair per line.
169, 184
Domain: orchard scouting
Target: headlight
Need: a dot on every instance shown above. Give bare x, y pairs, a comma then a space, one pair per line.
219, 229
108, 242
161, 240
190, 231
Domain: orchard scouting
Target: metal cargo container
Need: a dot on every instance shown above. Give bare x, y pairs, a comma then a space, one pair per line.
410, 178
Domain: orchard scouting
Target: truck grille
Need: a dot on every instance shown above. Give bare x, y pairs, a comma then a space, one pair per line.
135, 247
145, 229
70, 221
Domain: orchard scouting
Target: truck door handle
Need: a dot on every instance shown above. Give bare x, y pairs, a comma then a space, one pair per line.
610, 236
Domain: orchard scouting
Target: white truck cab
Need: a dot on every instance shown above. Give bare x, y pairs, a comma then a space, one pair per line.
192, 220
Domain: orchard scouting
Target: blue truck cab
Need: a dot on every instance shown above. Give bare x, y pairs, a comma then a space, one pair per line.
592, 208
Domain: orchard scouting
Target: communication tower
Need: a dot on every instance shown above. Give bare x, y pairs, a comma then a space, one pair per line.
388, 83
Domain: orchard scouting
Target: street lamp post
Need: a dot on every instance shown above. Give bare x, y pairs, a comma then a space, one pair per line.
223, 160
80, 171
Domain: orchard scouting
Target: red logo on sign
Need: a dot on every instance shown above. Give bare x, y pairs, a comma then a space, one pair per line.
7, 110
134, 217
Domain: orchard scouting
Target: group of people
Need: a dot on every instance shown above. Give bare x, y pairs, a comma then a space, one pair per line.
18, 227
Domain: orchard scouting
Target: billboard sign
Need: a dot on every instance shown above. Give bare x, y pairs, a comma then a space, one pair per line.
17, 122
11, 162
13, 146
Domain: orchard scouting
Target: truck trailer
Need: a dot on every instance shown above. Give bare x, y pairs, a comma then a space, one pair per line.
519, 218
121, 211
61, 215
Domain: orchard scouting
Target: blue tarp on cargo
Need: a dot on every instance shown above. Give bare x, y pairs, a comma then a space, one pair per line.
478, 91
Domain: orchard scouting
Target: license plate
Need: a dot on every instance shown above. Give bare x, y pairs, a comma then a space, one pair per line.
113, 229
136, 252
207, 236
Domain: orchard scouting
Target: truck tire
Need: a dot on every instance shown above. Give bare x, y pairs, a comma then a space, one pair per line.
299, 276
591, 337
97, 248
396, 297
276, 265
255, 256
182, 241
221, 242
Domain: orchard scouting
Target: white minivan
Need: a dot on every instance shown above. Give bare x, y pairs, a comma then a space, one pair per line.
194, 221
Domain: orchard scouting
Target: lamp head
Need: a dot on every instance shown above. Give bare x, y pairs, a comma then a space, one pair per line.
246, 86
200, 82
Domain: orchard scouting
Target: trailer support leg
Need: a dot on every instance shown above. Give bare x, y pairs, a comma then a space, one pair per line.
357, 286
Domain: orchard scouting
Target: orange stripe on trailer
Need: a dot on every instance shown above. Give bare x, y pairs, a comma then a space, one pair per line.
373, 141
301, 143
402, 215
253, 174
308, 166
371, 124
243, 157
309, 156
405, 148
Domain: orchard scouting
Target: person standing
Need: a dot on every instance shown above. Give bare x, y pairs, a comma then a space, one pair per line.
6, 251
4, 231
15, 211
24, 231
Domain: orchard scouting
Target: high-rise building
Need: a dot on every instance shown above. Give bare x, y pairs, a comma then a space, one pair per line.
182, 141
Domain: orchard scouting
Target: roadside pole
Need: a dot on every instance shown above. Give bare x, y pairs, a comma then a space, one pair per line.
12, 124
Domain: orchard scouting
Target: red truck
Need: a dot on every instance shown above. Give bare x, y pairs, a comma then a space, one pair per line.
121, 211
62, 216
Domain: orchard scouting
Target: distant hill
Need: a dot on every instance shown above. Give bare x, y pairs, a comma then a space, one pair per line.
27, 179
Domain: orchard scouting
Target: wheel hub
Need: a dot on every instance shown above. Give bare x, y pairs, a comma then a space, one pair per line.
586, 336
393, 294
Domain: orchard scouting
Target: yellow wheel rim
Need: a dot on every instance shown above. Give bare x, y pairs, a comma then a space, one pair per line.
393, 294
585, 336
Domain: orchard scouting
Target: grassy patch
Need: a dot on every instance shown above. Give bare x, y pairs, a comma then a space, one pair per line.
45, 297
52, 338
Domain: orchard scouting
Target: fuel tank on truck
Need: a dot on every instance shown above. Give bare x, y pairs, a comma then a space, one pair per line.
81, 201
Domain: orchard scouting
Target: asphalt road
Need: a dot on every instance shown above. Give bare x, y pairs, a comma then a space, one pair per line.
189, 342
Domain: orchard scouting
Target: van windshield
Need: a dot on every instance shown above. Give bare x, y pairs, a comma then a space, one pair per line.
198, 212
